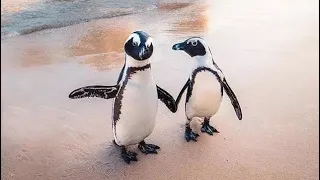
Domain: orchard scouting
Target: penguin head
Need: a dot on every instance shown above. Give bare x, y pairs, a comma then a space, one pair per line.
194, 46
139, 46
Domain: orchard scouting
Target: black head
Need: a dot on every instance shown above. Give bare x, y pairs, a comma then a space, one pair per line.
193, 46
139, 46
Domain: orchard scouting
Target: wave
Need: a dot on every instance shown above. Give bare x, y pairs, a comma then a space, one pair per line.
46, 26
70, 23
6, 35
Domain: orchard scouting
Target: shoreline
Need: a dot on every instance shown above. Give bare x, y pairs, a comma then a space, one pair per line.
167, 5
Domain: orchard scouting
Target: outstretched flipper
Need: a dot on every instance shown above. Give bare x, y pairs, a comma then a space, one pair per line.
233, 98
105, 92
167, 99
181, 92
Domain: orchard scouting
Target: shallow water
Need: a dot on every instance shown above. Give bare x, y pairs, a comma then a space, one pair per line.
23, 17
99, 43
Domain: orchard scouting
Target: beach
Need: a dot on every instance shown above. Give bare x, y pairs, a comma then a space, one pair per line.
268, 52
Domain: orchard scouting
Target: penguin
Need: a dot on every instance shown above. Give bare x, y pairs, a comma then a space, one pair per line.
204, 87
135, 97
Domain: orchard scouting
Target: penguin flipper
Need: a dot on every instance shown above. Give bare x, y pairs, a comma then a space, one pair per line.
181, 92
233, 98
105, 92
121, 73
167, 99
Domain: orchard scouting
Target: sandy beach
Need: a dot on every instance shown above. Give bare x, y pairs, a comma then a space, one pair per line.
267, 50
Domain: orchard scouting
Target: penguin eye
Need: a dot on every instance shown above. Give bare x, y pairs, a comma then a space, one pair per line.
194, 43
134, 43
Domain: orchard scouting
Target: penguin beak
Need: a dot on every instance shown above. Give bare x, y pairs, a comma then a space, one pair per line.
179, 46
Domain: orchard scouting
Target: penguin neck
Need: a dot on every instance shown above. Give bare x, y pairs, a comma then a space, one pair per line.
208, 62
203, 61
130, 62
139, 71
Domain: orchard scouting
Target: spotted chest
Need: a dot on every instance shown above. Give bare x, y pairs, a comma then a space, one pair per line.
135, 108
204, 93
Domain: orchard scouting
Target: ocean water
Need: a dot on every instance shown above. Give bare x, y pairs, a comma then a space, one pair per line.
20, 17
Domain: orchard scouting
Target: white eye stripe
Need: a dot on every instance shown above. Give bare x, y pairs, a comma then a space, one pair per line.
148, 42
135, 40
194, 42
191, 41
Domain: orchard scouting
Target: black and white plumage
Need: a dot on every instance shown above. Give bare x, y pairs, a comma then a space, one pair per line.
135, 97
204, 87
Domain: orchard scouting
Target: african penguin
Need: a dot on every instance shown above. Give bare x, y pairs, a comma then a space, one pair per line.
135, 97
204, 87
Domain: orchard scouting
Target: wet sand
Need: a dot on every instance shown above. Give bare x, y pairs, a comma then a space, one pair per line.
267, 50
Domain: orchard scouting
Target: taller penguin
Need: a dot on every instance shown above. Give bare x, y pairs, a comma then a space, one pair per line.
136, 97
204, 87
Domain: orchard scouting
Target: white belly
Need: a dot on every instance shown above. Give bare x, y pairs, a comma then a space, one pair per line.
206, 96
138, 112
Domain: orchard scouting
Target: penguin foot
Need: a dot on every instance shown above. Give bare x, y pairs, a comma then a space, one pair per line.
148, 148
189, 135
206, 127
128, 156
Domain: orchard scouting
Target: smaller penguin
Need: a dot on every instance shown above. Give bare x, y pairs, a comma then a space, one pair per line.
204, 87
135, 97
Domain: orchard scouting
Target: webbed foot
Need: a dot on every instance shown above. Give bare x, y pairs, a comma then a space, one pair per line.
207, 128
148, 148
128, 156
189, 135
